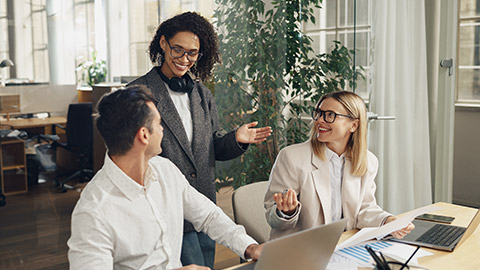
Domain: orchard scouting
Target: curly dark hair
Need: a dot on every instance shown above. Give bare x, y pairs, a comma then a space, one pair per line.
195, 23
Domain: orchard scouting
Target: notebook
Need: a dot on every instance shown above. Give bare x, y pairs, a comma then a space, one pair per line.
439, 236
308, 249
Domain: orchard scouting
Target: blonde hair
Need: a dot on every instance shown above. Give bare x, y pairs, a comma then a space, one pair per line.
356, 149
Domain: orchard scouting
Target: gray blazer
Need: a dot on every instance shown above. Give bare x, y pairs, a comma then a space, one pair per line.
195, 161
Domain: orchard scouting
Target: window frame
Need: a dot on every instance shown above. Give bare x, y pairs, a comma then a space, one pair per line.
347, 30
467, 103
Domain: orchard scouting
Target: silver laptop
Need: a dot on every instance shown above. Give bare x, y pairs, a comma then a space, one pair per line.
308, 249
439, 236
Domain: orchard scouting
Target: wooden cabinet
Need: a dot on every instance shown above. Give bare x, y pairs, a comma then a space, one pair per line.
13, 173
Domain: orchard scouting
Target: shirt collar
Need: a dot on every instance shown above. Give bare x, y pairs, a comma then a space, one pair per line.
332, 156
124, 183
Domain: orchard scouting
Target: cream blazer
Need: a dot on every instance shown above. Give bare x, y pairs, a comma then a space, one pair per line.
298, 168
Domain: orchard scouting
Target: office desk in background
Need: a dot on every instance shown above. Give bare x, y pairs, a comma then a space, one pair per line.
35, 125
465, 256
34, 122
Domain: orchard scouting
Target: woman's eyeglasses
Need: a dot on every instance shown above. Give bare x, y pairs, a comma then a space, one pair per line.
328, 116
179, 52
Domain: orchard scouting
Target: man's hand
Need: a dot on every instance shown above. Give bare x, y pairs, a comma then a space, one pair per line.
286, 201
253, 251
248, 134
194, 267
402, 232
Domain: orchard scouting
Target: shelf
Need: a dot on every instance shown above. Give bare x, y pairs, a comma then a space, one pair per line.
13, 173
14, 167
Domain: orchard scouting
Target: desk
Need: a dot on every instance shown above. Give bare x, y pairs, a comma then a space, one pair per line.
465, 256
35, 125
34, 122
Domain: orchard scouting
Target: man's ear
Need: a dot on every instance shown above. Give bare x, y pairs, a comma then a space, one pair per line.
143, 135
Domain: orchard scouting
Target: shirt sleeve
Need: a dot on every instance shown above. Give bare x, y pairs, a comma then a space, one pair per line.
90, 245
210, 219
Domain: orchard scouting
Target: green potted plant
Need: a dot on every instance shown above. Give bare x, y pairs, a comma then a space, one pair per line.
271, 74
92, 72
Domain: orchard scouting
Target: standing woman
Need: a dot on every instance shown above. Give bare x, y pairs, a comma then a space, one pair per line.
185, 49
329, 177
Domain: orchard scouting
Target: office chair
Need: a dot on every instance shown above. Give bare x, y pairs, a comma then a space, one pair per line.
79, 131
248, 210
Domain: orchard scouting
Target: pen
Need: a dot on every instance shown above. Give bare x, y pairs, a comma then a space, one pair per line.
384, 261
377, 260
381, 264
411, 256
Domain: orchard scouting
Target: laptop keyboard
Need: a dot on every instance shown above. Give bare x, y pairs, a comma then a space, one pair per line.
441, 235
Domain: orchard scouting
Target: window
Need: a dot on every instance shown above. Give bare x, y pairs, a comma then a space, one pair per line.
39, 40
26, 46
4, 52
336, 21
468, 52
84, 29
143, 23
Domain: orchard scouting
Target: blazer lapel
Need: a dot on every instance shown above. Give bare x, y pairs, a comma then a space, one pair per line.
321, 180
168, 112
199, 120
351, 187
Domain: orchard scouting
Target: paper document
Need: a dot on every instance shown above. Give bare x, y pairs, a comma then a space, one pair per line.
366, 234
358, 255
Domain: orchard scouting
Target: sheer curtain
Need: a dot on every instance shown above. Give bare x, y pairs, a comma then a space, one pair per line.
399, 88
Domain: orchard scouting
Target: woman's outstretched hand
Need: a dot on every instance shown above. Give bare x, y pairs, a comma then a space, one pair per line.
248, 134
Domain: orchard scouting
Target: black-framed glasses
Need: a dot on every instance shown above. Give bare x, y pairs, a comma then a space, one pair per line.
328, 116
179, 52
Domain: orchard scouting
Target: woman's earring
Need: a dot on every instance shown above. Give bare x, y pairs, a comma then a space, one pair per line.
159, 59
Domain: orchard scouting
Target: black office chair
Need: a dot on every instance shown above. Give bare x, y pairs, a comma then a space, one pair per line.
79, 131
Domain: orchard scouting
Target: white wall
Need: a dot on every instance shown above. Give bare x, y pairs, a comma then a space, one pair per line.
44, 98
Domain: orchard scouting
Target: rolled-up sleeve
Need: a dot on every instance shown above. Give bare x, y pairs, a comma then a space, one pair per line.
210, 219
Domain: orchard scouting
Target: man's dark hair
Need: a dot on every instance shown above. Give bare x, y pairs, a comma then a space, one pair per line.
195, 23
121, 114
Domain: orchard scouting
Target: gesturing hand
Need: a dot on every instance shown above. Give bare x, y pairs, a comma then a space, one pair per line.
286, 201
248, 134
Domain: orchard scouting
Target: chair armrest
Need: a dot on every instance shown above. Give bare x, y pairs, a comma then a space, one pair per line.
62, 145
55, 126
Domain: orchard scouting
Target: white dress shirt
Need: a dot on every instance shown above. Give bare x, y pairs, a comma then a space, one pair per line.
182, 104
335, 166
119, 224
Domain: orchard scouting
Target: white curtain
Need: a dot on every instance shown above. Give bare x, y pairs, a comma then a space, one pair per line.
399, 88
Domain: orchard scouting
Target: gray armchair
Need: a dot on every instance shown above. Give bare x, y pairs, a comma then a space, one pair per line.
248, 210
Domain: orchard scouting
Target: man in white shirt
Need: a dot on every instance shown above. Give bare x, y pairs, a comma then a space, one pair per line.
130, 216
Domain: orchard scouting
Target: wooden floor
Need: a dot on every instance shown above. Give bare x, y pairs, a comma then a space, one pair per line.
35, 227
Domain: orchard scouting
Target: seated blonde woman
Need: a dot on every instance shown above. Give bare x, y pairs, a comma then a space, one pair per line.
329, 177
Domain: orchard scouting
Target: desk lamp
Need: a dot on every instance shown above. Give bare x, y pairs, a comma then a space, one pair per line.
5, 63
